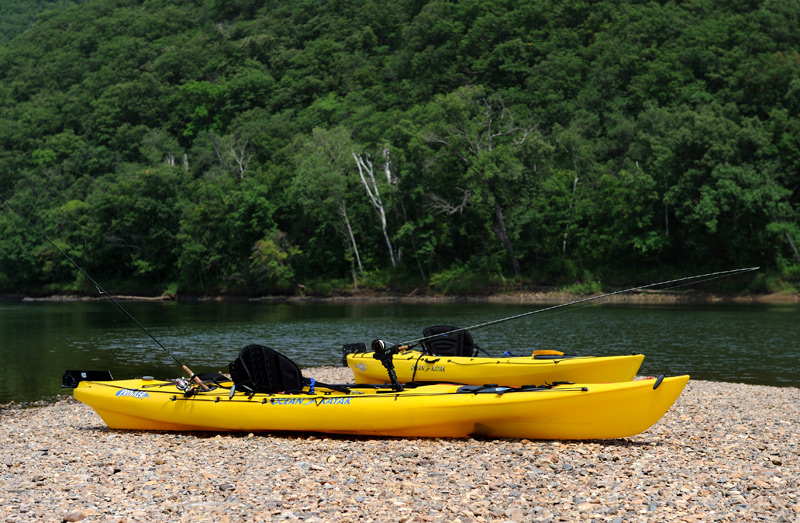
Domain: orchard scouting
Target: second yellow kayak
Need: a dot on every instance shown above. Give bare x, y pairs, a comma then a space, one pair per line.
515, 371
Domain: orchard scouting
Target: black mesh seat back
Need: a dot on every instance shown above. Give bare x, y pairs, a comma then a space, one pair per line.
265, 370
456, 344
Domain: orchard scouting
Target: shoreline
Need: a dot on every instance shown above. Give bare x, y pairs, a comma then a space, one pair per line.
723, 452
522, 297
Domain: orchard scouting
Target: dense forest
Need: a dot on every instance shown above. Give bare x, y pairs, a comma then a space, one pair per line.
258, 146
17, 15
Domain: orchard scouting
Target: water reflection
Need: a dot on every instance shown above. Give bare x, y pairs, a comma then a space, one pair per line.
739, 343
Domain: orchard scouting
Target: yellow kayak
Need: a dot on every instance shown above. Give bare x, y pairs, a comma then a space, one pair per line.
566, 411
536, 369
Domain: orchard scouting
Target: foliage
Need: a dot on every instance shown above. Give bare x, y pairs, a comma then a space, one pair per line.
470, 278
210, 146
588, 287
270, 261
16, 16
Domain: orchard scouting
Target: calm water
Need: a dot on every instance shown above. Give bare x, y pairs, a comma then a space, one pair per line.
756, 344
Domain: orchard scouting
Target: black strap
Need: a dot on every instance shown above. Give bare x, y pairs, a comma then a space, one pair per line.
414, 375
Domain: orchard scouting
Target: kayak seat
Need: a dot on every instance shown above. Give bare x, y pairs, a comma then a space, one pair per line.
260, 369
352, 348
442, 343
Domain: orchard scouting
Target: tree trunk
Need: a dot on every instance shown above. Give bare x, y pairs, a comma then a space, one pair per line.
413, 243
352, 239
375, 197
791, 244
571, 203
500, 230
354, 275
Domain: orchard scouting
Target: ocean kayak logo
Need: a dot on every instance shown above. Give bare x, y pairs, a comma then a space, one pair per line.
310, 401
429, 368
130, 393
361, 367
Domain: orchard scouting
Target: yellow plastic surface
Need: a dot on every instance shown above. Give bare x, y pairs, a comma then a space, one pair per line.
514, 371
579, 411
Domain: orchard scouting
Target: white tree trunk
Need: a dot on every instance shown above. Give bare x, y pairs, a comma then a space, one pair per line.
233, 154
343, 211
365, 166
791, 243
240, 154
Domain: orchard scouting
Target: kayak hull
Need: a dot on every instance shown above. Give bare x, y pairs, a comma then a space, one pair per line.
511, 371
574, 411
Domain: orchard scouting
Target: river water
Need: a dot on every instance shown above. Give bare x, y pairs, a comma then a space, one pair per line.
744, 343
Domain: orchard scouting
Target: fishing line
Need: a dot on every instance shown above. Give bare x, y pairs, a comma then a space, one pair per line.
721, 275
103, 292
688, 279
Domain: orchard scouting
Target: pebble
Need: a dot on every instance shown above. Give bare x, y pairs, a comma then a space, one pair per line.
723, 453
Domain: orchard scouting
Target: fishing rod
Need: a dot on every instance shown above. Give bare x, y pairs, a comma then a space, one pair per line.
688, 279
102, 292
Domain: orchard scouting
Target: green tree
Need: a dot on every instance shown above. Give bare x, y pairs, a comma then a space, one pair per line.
270, 261
485, 138
665, 135
133, 223
220, 227
324, 186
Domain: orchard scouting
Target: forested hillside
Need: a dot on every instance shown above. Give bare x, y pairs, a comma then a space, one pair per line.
257, 146
18, 15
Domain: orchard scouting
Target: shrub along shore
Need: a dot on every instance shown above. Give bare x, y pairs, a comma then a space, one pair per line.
724, 452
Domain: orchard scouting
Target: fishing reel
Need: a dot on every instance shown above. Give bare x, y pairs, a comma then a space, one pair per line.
189, 388
383, 353
186, 387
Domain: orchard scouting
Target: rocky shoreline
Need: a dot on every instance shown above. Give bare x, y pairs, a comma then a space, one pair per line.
724, 452
545, 297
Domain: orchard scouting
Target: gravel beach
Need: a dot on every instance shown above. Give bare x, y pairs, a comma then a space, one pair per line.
724, 452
